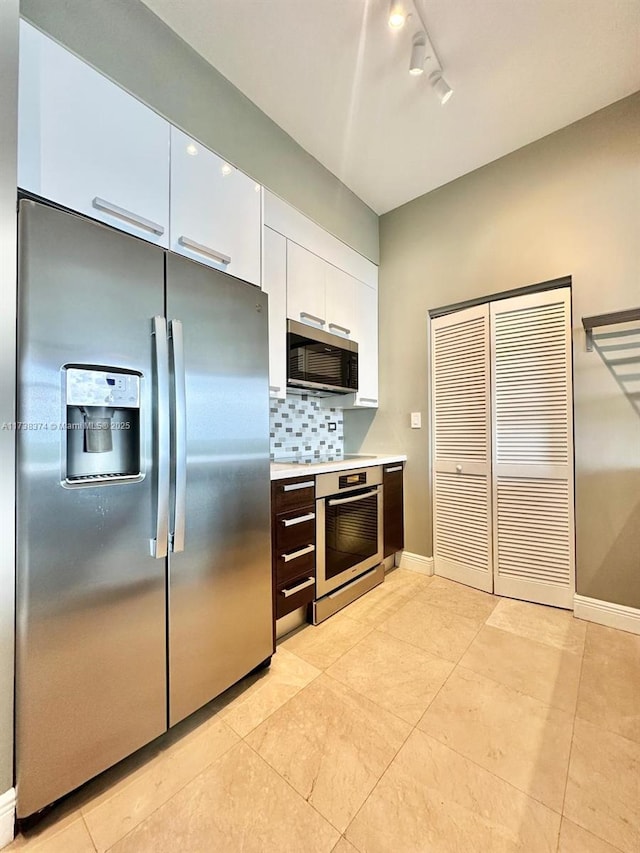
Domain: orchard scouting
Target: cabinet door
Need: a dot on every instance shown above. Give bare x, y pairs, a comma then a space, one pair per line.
274, 282
367, 339
86, 144
215, 210
392, 481
341, 302
306, 275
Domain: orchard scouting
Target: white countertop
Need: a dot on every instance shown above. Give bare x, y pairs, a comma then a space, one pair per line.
283, 470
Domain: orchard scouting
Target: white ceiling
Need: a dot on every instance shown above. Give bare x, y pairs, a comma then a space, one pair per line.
335, 77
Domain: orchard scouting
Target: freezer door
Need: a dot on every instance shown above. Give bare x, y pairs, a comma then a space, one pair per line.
220, 607
91, 630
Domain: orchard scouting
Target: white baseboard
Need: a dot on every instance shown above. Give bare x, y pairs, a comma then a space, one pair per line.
416, 563
7, 816
606, 613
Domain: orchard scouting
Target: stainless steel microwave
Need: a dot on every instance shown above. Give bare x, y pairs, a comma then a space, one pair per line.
319, 363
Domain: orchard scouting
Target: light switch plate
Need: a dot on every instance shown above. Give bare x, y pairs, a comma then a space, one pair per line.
416, 420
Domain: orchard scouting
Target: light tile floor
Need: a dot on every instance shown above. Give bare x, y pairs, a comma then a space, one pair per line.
425, 717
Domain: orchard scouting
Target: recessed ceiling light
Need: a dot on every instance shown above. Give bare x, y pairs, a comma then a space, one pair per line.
397, 15
191, 149
226, 169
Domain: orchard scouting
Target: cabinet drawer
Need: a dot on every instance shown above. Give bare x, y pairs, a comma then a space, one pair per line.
295, 528
294, 593
295, 493
297, 561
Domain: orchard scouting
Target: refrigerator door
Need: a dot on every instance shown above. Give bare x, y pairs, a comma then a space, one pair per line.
220, 607
91, 629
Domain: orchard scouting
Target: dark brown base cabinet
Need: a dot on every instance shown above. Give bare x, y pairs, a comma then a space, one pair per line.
293, 518
293, 515
392, 481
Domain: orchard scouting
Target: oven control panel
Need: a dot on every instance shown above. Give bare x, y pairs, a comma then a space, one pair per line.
338, 482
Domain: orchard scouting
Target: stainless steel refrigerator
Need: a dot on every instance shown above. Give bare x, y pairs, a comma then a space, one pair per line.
144, 570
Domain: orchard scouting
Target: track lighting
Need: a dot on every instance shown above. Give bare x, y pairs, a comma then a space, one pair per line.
422, 51
397, 15
440, 86
418, 53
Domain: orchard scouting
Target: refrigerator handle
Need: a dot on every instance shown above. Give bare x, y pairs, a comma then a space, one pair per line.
161, 439
179, 436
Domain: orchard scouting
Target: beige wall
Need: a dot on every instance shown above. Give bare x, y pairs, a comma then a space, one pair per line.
127, 42
566, 205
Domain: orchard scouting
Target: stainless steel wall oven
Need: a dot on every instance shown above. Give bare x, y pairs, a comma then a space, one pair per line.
349, 529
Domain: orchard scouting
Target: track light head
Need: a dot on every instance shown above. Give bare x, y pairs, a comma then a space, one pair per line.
440, 86
397, 15
418, 54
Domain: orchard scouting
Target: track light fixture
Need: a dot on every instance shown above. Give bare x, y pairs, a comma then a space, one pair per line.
418, 53
440, 86
422, 51
397, 15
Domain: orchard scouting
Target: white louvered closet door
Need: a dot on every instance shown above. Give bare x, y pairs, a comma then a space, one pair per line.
533, 538
461, 429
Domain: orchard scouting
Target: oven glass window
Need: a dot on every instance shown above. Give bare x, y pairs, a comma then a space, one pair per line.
351, 533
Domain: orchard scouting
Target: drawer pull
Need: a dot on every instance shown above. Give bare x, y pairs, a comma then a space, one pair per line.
201, 249
293, 555
292, 487
368, 399
391, 470
127, 215
289, 522
340, 328
274, 388
298, 587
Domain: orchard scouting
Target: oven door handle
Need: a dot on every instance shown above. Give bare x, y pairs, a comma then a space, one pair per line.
339, 501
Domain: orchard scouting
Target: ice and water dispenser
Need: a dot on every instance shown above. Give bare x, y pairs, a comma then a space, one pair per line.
103, 425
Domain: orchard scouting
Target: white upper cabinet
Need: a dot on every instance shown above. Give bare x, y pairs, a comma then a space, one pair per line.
215, 210
367, 338
341, 302
305, 286
274, 283
86, 144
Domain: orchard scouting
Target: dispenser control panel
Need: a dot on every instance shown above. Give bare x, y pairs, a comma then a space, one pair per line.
87, 387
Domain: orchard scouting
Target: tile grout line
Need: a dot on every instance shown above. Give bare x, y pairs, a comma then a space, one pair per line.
84, 823
566, 784
175, 793
466, 757
296, 792
413, 729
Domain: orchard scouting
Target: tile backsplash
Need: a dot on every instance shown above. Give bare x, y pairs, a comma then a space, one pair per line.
298, 425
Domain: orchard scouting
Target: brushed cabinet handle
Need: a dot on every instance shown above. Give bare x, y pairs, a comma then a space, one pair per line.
127, 215
391, 470
274, 387
368, 399
292, 487
298, 587
201, 249
299, 519
313, 317
293, 555
340, 328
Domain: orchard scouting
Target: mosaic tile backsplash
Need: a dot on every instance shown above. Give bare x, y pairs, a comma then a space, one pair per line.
299, 426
